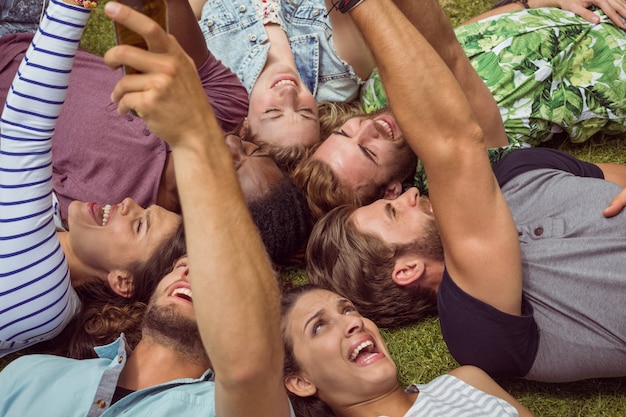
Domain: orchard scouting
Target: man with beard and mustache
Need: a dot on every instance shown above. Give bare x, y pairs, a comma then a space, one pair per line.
211, 341
525, 267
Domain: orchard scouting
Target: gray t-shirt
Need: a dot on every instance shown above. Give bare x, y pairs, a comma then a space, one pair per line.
574, 284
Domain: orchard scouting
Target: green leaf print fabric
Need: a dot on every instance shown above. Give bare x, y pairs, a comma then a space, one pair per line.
549, 71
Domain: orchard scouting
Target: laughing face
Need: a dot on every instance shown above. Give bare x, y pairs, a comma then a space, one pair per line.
369, 155
282, 110
114, 237
170, 320
342, 356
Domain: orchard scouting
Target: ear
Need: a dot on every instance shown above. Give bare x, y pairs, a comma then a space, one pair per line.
407, 270
121, 282
393, 190
245, 129
300, 386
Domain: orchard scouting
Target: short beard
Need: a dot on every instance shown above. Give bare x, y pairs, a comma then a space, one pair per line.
428, 244
165, 326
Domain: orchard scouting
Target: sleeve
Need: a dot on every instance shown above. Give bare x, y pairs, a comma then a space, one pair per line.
36, 297
227, 95
524, 160
501, 344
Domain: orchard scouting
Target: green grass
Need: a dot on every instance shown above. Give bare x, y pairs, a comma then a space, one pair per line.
419, 350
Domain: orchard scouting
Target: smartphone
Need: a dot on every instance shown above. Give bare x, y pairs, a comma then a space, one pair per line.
155, 9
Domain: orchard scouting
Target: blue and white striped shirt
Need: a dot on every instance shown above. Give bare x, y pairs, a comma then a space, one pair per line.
36, 297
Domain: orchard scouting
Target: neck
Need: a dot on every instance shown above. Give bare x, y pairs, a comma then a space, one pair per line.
393, 404
152, 364
79, 273
280, 51
433, 276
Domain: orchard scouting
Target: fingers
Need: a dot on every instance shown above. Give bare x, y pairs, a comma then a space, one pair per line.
616, 11
155, 37
616, 205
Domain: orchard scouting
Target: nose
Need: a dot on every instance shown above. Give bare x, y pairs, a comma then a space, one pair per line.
410, 196
185, 273
368, 131
128, 205
354, 324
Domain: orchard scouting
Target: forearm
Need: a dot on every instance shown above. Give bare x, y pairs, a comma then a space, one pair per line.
436, 107
235, 291
432, 22
232, 279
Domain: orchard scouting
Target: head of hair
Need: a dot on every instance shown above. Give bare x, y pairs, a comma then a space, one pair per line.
282, 217
286, 157
302, 406
104, 314
359, 266
332, 115
322, 188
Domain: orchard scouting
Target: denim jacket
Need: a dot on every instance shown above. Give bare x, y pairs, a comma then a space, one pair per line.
236, 36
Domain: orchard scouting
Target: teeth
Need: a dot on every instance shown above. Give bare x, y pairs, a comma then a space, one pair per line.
285, 82
183, 293
386, 127
359, 348
105, 214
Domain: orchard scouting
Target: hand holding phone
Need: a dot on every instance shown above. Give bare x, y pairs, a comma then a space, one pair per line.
155, 9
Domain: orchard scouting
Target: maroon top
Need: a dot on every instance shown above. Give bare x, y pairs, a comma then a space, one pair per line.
99, 155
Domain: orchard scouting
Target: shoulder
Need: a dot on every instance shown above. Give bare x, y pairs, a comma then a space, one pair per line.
469, 374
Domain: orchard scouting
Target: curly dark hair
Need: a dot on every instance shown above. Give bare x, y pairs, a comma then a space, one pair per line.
283, 220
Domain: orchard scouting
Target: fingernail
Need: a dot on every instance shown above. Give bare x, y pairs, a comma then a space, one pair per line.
112, 7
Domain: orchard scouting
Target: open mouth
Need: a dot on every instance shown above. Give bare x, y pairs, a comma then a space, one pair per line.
106, 211
184, 293
285, 82
386, 127
363, 352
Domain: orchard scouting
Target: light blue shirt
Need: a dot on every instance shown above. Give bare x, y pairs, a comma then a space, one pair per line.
45, 385
236, 36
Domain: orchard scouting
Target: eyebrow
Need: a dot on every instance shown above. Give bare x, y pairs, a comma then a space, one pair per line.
313, 317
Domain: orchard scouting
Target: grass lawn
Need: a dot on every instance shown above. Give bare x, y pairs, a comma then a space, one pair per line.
419, 350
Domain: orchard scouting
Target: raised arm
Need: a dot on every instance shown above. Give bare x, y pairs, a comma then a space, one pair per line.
475, 223
230, 271
35, 289
431, 21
